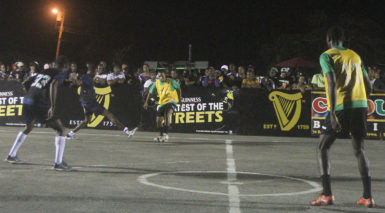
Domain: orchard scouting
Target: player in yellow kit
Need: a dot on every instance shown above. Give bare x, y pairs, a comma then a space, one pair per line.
169, 93
347, 85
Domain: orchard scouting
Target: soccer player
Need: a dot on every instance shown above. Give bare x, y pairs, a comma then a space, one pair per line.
347, 85
39, 106
169, 93
91, 106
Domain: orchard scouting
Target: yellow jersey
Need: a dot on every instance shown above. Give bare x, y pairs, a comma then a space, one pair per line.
166, 91
350, 73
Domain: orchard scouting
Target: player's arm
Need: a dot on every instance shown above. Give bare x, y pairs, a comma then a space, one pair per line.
327, 65
151, 92
176, 86
52, 97
368, 86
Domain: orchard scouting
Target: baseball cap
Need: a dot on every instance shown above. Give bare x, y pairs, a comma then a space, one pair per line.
224, 67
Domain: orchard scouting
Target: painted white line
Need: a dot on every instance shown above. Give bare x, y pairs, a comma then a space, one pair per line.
151, 137
233, 190
144, 179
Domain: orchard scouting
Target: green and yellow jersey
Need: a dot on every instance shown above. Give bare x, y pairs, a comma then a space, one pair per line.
166, 91
350, 72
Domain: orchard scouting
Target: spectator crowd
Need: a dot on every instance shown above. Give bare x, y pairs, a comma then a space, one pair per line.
227, 76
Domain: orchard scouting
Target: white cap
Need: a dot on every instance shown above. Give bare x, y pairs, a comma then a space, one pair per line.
224, 67
19, 64
46, 66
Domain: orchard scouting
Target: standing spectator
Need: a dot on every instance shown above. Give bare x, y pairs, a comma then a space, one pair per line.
284, 80
270, 82
241, 71
100, 78
116, 77
250, 81
210, 80
372, 77
378, 85
149, 82
318, 81
233, 69
191, 78
301, 85
33, 70
17, 73
223, 77
3, 72
174, 75
145, 75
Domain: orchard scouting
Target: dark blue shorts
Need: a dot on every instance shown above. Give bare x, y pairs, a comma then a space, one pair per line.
92, 108
36, 111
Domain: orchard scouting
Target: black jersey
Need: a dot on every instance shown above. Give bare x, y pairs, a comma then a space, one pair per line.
87, 92
40, 84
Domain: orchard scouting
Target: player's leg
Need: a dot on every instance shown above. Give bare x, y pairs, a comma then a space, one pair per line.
358, 130
159, 125
327, 138
82, 124
20, 138
167, 120
60, 142
115, 121
326, 141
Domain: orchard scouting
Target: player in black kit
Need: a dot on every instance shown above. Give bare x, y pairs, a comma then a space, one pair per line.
39, 107
91, 106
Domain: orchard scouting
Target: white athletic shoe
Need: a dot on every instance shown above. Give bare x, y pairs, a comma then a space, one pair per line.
130, 133
70, 135
165, 137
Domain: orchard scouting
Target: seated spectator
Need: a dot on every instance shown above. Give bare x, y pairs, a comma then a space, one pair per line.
318, 81
250, 81
301, 85
378, 85
147, 85
145, 75
3, 72
284, 81
270, 82
100, 78
116, 77
210, 81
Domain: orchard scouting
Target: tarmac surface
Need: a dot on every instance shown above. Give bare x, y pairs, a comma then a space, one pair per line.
190, 173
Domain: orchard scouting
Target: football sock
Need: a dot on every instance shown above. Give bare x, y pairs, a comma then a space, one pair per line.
326, 185
60, 142
367, 182
20, 138
165, 129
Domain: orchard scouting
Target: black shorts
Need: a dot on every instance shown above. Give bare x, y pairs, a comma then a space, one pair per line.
92, 108
36, 111
161, 110
352, 120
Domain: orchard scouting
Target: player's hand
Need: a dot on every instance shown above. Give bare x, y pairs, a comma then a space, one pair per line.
50, 113
145, 106
336, 126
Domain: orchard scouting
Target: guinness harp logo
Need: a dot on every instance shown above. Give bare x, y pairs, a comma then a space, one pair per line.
103, 97
287, 108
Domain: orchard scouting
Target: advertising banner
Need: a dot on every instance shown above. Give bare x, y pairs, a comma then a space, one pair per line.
375, 120
11, 104
278, 113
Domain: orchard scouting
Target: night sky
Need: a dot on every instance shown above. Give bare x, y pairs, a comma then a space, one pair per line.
244, 32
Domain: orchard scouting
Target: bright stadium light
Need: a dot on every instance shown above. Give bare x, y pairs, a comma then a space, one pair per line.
54, 11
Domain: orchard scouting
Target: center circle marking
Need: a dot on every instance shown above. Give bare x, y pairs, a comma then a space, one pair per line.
315, 187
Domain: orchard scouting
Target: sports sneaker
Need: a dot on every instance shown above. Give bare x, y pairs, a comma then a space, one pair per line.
366, 202
63, 166
13, 160
157, 138
323, 200
130, 133
165, 137
70, 135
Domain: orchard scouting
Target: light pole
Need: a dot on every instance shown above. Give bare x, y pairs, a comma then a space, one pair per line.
59, 17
